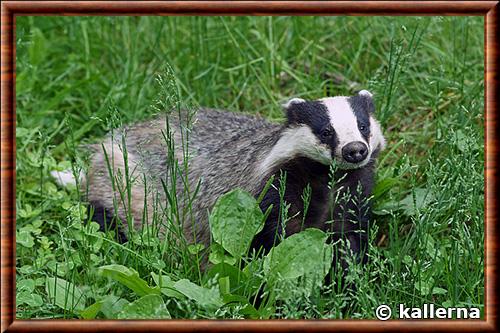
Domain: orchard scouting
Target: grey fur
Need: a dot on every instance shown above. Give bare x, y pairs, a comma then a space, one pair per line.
225, 149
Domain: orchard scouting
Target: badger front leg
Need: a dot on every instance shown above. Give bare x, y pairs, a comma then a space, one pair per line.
351, 207
280, 224
350, 228
350, 244
273, 229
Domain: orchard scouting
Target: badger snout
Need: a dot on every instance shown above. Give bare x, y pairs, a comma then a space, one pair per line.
354, 152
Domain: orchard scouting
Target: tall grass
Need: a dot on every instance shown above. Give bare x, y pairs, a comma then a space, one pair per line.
427, 78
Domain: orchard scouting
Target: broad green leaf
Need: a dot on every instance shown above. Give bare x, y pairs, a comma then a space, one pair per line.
439, 291
112, 305
29, 298
91, 311
224, 285
166, 285
61, 268
65, 294
424, 286
465, 142
248, 309
28, 212
235, 219
411, 204
195, 248
34, 227
300, 254
20, 131
26, 270
386, 207
430, 247
25, 285
206, 298
39, 282
383, 186
146, 307
218, 255
238, 280
25, 239
129, 278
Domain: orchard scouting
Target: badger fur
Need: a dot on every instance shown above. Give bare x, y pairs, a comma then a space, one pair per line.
229, 150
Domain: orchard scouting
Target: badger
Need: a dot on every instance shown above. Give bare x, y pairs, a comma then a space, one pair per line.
227, 150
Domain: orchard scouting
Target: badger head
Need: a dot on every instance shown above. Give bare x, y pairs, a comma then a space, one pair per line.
334, 128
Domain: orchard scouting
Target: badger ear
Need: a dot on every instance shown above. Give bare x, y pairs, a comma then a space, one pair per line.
292, 101
292, 109
367, 100
365, 93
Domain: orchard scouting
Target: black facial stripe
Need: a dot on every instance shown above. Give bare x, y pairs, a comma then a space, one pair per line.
311, 113
315, 115
362, 106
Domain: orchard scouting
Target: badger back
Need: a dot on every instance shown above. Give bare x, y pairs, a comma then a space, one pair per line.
221, 148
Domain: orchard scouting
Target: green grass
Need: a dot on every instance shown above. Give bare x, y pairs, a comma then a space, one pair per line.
77, 77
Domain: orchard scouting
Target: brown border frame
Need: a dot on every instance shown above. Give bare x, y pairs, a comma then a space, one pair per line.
10, 9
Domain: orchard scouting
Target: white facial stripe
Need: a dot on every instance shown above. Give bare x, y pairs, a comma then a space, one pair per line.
343, 121
296, 141
377, 140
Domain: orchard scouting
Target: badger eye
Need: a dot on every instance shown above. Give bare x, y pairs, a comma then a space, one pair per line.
362, 128
327, 133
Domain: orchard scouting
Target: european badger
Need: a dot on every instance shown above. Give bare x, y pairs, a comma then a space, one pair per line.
229, 150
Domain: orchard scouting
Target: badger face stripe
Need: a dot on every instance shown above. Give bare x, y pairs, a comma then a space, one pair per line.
362, 106
377, 139
346, 122
296, 141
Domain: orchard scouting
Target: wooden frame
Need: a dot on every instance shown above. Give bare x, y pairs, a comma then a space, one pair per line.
10, 9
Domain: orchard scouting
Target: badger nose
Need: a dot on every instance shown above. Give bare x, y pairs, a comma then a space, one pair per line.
354, 152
